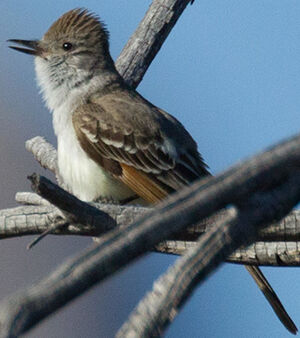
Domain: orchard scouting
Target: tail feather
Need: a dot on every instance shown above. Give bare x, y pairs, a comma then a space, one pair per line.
272, 298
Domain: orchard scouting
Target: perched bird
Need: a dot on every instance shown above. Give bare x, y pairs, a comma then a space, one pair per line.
112, 142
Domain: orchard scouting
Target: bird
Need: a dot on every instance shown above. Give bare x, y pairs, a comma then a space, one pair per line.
112, 143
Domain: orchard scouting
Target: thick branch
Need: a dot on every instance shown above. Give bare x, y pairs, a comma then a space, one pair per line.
34, 220
179, 211
288, 229
84, 214
159, 307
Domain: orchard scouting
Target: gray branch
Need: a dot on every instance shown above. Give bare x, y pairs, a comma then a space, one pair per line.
276, 244
160, 306
275, 169
148, 38
260, 253
43, 152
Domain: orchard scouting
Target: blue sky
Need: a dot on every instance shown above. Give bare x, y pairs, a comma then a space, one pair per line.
229, 71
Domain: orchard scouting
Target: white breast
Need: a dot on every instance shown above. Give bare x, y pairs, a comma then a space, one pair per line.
84, 177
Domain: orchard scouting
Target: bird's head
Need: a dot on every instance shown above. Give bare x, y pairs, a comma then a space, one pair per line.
78, 39
71, 52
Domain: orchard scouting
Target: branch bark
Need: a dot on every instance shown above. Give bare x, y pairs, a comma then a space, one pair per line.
276, 168
148, 38
160, 306
276, 244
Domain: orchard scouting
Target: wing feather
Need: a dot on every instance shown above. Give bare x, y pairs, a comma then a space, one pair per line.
134, 141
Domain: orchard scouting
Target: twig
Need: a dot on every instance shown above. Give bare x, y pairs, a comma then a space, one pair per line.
53, 228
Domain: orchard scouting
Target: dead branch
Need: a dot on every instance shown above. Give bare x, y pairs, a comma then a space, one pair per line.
160, 306
276, 244
276, 168
142, 47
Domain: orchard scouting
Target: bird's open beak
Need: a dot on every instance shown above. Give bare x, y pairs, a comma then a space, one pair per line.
33, 48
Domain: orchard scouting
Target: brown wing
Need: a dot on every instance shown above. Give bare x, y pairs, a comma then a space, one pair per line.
131, 140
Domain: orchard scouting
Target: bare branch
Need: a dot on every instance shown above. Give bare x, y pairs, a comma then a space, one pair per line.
43, 152
269, 254
26, 220
29, 198
117, 248
34, 220
74, 209
148, 38
260, 253
160, 306
287, 230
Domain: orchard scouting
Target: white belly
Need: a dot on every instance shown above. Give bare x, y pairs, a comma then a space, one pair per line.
83, 177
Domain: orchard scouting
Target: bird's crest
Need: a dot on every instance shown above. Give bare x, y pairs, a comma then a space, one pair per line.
77, 22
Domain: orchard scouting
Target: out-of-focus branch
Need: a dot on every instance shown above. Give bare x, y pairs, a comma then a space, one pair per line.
160, 306
275, 169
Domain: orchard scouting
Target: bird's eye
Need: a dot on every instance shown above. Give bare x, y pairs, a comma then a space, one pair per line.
67, 46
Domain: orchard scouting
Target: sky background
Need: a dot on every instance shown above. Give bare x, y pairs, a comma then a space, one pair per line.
229, 71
